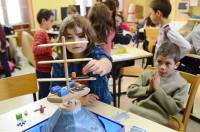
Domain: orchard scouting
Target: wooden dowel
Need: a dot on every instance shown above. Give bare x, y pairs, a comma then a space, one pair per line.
63, 61
61, 44
64, 79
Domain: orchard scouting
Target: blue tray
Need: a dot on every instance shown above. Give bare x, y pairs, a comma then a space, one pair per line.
109, 125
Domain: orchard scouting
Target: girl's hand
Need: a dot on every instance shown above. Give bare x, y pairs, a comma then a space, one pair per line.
89, 99
100, 67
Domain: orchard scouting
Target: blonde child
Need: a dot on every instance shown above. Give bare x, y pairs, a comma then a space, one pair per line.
77, 28
71, 10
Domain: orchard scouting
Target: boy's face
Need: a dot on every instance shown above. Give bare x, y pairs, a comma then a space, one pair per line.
166, 65
76, 34
48, 23
154, 16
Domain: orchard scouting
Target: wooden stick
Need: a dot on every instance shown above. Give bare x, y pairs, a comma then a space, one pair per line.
61, 44
63, 61
64, 48
64, 79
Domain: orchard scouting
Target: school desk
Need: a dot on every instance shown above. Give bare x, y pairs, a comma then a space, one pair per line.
8, 122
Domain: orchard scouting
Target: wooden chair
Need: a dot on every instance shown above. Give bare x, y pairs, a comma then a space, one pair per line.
151, 35
27, 43
129, 71
18, 85
181, 124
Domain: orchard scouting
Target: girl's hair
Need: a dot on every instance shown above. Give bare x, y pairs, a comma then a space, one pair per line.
111, 4
169, 49
71, 9
71, 22
100, 18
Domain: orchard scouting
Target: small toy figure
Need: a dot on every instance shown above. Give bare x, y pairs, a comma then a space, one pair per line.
26, 113
20, 120
41, 109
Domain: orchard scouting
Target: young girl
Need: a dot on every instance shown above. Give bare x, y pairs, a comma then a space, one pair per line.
101, 20
77, 28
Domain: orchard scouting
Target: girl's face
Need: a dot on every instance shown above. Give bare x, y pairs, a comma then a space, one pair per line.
76, 34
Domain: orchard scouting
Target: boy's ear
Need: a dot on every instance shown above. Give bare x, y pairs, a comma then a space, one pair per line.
43, 20
177, 65
159, 13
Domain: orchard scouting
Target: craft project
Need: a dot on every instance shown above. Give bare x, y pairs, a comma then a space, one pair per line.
71, 116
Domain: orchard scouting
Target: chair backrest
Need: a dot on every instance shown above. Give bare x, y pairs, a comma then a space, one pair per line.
151, 35
27, 43
194, 80
18, 85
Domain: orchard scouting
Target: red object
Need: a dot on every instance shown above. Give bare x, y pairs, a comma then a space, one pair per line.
11, 66
82, 81
125, 26
77, 84
41, 109
42, 53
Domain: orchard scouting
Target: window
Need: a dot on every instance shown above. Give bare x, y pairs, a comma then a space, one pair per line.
1, 14
83, 4
13, 10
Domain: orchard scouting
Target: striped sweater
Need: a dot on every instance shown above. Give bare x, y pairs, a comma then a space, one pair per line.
42, 53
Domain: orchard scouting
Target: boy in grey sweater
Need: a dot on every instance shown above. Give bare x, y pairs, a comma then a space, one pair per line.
160, 93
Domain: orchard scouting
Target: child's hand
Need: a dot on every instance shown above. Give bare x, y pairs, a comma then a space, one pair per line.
97, 67
155, 81
89, 99
52, 40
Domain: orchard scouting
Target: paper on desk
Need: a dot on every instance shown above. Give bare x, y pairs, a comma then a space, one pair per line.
117, 57
120, 116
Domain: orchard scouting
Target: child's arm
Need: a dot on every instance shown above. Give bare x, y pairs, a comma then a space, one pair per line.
141, 87
171, 104
179, 40
101, 67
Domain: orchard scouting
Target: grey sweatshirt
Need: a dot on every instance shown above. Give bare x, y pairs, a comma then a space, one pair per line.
164, 102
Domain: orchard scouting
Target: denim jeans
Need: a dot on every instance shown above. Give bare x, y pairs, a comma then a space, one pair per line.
43, 86
4, 63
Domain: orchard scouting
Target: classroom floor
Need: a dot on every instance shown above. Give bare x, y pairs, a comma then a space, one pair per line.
125, 101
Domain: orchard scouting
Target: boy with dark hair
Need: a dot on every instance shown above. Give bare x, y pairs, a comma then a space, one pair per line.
45, 18
160, 93
160, 10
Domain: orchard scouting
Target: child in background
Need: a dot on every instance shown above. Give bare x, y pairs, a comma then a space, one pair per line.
160, 10
120, 36
77, 28
45, 18
160, 93
71, 10
190, 64
4, 53
101, 20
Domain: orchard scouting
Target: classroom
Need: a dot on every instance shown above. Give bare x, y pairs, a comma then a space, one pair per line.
99, 65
